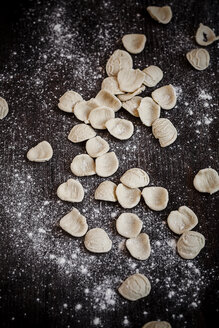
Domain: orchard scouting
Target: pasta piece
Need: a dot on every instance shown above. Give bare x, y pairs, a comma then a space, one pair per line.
165, 96
120, 128
132, 105
3, 108
206, 180
135, 287
153, 75
106, 191
42, 152
68, 101
198, 58
105, 98
81, 132
83, 165
111, 85
118, 60
134, 43
129, 96
205, 36
127, 197
161, 14
130, 79
190, 244
99, 116
156, 198
148, 111
182, 220
74, 223
164, 131
157, 324
97, 146
97, 241
106, 164
128, 225
71, 191
139, 247
83, 108
135, 178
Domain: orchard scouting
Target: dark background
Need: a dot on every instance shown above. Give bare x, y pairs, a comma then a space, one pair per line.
47, 48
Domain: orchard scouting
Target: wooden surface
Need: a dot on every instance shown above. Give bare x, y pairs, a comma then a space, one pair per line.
48, 278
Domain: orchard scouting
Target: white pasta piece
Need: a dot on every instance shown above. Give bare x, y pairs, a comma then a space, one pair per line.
207, 180
107, 164
164, 131
71, 191
156, 198
153, 75
134, 43
118, 60
190, 244
161, 14
42, 152
128, 225
120, 128
83, 108
106, 191
165, 96
83, 165
132, 105
157, 324
205, 36
139, 247
74, 223
99, 116
148, 111
111, 85
68, 101
97, 146
81, 132
128, 197
135, 287
130, 79
182, 220
135, 178
107, 99
129, 96
198, 58
97, 241
3, 108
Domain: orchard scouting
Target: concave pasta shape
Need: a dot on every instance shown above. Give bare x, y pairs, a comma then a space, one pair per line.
71, 191
3, 108
118, 60
135, 287
206, 180
165, 96
135, 178
205, 35
128, 225
97, 146
120, 128
153, 75
190, 244
157, 324
182, 220
107, 99
139, 247
74, 223
68, 101
130, 79
156, 198
81, 132
132, 105
83, 165
97, 241
199, 58
128, 96
106, 164
83, 108
127, 197
99, 116
148, 111
106, 191
134, 43
42, 152
164, 131
111, 85
161, 14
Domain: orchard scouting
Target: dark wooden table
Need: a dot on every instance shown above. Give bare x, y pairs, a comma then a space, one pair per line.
48, 278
